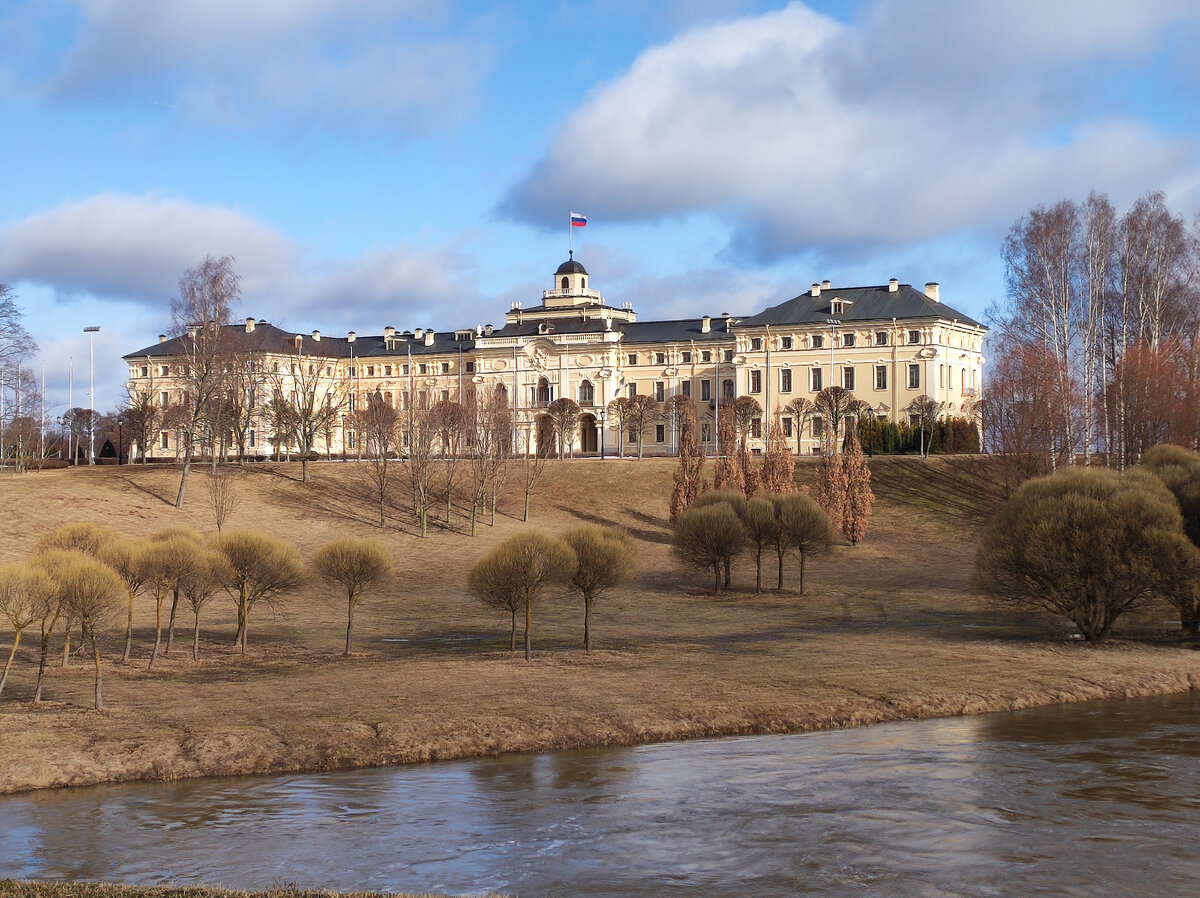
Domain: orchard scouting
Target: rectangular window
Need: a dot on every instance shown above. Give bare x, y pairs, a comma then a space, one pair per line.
706, 433
404, 370
914, 377
755, 381
818, 341
881, 338
848, 378
470, 367
445, 395
370, 370
785, 380
660, 358
422, 368
727, 391
881, 377
632, 390
686, 357
660, 433
787, 427
941, 375
166, 370
164, 398
445, 367
815, 385
705, 390
387, 370
250, 439
350, 440
633, 358
818, 428
706, 355
914, 336
785, 343
849, 339
729, 355
145, 370
164, 439
660, 391
686, 388
756, 428
756, 344
353, 372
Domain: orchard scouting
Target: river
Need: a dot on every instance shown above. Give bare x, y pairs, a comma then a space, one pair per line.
1098, 798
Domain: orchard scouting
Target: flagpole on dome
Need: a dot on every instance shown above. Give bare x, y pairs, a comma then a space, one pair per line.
574, 221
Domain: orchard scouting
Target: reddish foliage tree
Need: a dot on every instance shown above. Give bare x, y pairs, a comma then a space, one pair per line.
691, 460
729, 473
778, 467
858, 496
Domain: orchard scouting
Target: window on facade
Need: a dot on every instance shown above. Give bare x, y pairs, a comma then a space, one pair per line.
755, 344
164, 398
849, 339
353, 372
727, 391
422, 368
706, 432
660, 358
632, 390
818, 428
848, 378
387, 370
815, 380
145, 370
404, 370
962, 380
470, 367
787, 427
881, 338
755, 381
445, 367
350, 403
914, 377
686, 388
387, 399
914, 336
660, 433
632, 358
165, 370
660, 391
164, 440
587, 393
351, 438
785, 380
706, 355
445, 395
686, 357
785, 343
250, 439
818, 341
941, 375
836, 307
370, 370
756, 428
729, 355
705, 390
881, 377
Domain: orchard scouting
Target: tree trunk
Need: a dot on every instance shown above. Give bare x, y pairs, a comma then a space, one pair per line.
66, 662
728, 572
528, 624
758, 570
304, 467
45, 654
349, 622
802, 572
171, 619
8, 664
512, 634
96, 659
241, 623
495, 496
196, 639
525, 517
129, 631
157, 632
587, 624
716, 578
779, 583
183, 478
382, 512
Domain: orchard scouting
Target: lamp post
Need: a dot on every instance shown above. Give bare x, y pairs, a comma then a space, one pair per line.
91, 332
601, 417
870, 432
120, 438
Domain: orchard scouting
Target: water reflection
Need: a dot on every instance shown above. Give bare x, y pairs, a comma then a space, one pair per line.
1088, 799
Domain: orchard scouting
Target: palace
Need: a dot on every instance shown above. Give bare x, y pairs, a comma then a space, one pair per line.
888, 345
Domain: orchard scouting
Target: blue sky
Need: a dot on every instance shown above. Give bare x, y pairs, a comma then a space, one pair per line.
382, 162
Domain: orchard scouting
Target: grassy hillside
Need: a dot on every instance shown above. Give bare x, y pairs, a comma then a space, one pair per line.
889, 629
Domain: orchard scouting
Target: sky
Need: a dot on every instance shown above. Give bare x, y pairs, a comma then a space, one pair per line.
413, 162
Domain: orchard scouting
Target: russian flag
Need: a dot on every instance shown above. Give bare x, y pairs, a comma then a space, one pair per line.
578, 221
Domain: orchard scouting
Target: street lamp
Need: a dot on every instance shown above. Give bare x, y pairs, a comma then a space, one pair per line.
870, 432
601, 417
120, 438
91, 332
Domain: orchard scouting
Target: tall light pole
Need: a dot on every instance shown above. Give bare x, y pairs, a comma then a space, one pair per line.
91, 332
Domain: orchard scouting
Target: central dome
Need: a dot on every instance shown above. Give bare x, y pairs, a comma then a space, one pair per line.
571, 267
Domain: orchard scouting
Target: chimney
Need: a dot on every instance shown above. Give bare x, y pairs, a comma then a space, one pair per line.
487, 330
826, 285
933, 291
389, 332
728, 321
351, 337
162, 338
816, 290
429, 338
705, 324
249, 325
893, 285
316, 336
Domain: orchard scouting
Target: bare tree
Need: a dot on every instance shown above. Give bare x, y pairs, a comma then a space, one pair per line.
691, 458
707, 536
802, 411
357, 565
532, 466
207, 295
640, 413
762, 530
124, 557
143, 415
310, 384
199, 583
618, 416
91, 593
419, 431
564, 413
802, 527
25, 594
515, 573
223, 495
450, 422
778, 473
259, 569
926, 411
603, 559
834, 404
376, 425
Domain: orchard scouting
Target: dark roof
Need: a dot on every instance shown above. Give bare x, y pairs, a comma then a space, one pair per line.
862, 304
264, 338
680, 331
571, 267
529, 327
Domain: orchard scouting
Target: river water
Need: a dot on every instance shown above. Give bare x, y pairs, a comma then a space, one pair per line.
1099, 798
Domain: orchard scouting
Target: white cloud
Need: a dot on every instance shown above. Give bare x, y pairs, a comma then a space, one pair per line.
919, 119
358, 63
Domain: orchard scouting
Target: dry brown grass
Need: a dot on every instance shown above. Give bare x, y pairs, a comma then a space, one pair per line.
889, 630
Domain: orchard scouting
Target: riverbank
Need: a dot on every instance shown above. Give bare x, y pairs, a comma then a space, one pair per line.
11, 888
888, 630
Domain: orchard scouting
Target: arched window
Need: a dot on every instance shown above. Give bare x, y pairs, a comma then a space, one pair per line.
587, 393
583, 283
543, 392
565, 282
727, 389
